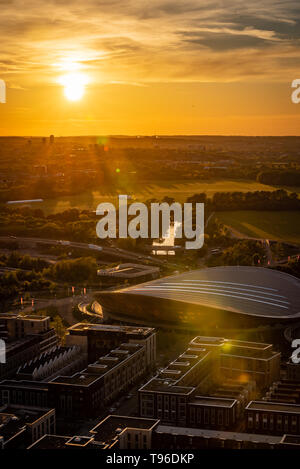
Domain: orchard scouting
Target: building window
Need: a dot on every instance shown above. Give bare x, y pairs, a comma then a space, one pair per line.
5, 397
265, 421
192, 415
250, 421
220, 417
294, 423
286, 423
279, 422
213, 416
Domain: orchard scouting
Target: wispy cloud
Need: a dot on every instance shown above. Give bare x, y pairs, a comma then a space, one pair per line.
159, 41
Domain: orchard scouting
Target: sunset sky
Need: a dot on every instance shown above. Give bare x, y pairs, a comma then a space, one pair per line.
150, 67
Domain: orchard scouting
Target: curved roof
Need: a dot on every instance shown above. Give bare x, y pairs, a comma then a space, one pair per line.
253, 291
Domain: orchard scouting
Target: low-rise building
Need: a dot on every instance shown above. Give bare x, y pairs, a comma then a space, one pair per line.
185, 438
21, 426
293, 370
125, 432
86, 392
25, 393
212, 412
25, 338
114, 432
166, 396
285, 390
244, 360
273, 418
98, 339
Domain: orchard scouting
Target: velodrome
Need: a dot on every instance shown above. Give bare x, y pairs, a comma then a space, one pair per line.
249, 292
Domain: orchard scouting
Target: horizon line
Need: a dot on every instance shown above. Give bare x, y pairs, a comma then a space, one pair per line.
153, 136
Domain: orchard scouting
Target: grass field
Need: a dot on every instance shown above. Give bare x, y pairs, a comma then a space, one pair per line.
179, 190
282, 226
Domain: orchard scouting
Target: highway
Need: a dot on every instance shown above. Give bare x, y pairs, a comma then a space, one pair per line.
116, 252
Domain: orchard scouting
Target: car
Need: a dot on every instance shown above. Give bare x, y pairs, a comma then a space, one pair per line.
95, 246
215, 251
64, 243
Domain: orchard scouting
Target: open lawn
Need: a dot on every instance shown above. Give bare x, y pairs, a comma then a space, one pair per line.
179, 190
282, 226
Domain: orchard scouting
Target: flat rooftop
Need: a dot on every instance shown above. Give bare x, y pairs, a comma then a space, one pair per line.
220, 341
252, 291
273, 407
291, 439
213, 401
113, 425
24, 384
197, 432
13, 419
104, 364
65, 442
14, 344
171, 378
166, 386
50, 442
26, 317
84, 327
79, 379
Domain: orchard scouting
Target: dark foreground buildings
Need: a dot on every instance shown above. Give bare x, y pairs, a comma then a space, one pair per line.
218, 393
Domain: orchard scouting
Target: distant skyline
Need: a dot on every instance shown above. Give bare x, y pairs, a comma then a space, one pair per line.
96, 67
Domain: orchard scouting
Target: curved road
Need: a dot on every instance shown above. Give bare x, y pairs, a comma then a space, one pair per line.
117, 252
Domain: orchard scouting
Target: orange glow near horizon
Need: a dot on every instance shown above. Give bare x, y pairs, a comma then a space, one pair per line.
158, 69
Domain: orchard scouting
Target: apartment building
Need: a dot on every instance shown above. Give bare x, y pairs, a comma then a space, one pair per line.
210, 384
25, 393
21, 426
244, 360
212, 412
98, 339
25, 338
276, 418
114, 432
166, 396
86, 392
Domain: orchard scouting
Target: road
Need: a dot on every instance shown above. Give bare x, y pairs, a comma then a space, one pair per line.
96, 310
266, 244
64, 305
116, 252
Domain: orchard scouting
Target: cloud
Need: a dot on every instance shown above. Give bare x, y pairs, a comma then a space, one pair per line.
140, 41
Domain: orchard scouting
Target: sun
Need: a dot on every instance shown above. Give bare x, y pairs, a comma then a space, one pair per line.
74, 85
